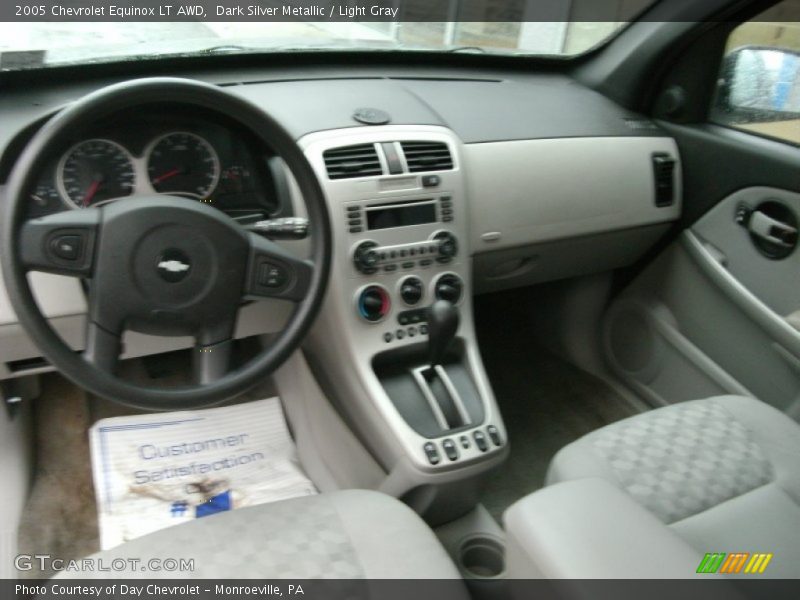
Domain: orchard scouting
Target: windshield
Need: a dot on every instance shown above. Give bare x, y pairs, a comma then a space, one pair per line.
33, 43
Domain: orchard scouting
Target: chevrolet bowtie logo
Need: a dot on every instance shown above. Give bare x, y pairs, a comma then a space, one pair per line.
173, 266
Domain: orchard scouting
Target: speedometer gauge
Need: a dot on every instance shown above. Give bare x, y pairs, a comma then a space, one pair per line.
183, 163
94, 171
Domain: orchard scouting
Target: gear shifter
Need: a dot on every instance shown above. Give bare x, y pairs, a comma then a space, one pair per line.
442, 325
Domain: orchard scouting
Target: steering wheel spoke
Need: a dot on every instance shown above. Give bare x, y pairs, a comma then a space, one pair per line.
273, 272
103, 347
211, 362
62, 243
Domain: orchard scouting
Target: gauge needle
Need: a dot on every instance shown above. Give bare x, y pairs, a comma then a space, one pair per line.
166, 176
87, 198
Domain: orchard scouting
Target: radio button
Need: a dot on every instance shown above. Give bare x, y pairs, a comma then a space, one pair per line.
366, 257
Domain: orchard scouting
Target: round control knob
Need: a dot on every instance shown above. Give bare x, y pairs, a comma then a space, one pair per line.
366, 257
373, 303
411, 289
448, 245
449, 287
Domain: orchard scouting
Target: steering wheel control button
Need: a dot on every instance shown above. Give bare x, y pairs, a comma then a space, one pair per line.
173, 265
494, 435
373, 303
67, 247
450, 449
272, 275
431, 453
480, 441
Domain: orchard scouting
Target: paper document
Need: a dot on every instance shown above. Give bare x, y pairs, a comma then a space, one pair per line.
158, 470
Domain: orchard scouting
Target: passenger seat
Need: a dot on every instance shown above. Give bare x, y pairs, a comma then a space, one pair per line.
720, 475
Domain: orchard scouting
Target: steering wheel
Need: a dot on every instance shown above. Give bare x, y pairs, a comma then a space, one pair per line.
159, 264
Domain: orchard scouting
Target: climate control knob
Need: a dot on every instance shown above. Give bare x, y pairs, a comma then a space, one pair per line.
411, 290
373, 303
449, 287
366, 257
448, 245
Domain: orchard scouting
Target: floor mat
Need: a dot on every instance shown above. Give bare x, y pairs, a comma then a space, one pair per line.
158, 470
546, 403
60, 518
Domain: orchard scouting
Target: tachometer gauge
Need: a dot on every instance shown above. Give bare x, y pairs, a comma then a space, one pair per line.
183, 163
94, 171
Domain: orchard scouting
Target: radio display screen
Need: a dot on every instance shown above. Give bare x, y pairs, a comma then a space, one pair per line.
417, 213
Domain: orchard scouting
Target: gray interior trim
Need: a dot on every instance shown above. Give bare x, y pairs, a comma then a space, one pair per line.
774, 324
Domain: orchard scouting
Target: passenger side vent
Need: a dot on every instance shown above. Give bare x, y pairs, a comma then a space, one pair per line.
664, 175
427, 156
360, 160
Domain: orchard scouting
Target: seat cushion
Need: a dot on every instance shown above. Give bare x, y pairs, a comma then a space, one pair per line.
723, 472
347, 534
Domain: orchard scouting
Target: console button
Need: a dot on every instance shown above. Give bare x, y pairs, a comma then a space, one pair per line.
412, 331
373, 303
411, 290
431, 180
480, 441
464, 442
447, 243
449, 287
388, 337
431, 453
494, 434
450, 449
408, 265
366, 257
423, 330
400, 334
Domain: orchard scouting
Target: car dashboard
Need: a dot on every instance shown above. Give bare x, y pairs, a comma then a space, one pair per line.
548, 180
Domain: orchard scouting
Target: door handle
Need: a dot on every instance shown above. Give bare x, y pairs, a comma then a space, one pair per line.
772, 228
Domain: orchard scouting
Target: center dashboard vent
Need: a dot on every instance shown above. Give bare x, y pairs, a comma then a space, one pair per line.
346, 162
427, 156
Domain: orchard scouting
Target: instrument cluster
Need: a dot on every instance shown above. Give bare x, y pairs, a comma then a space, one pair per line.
161, 154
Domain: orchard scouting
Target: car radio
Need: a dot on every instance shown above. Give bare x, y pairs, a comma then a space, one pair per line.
368, 216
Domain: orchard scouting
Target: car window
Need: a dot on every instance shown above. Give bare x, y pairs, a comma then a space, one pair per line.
759, 85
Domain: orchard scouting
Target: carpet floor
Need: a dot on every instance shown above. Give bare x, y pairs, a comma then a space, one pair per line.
546, 402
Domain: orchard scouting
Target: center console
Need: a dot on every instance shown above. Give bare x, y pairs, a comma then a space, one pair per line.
394, 345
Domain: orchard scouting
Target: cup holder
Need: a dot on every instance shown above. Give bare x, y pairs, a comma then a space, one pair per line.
482, 557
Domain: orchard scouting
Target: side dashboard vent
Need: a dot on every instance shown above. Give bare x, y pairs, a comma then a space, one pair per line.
427, 156
664, 177
346, 162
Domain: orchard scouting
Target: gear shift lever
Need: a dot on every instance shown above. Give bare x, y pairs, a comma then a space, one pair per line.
442, 325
